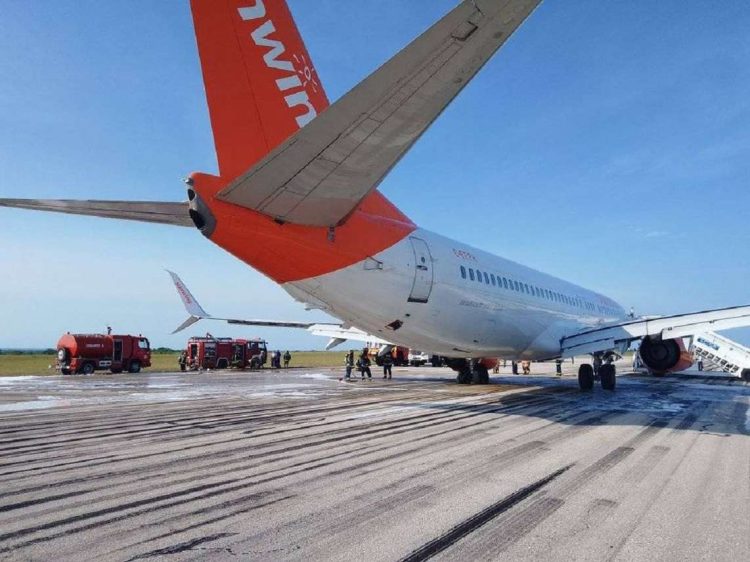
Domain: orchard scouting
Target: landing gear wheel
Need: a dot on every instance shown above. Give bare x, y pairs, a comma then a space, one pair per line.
480, 375
586, 376
88, 368
464, 377
607, 376
135, 367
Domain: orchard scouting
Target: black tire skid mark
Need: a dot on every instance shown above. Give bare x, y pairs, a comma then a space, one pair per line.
182, 459
523, 454
478, 520
83, 515
180, 547
483, 412
652, 499
161, 439
511, 529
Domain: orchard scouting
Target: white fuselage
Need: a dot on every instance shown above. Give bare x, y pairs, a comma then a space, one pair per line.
430, 292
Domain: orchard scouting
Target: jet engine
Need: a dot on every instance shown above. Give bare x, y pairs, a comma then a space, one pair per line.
665, 356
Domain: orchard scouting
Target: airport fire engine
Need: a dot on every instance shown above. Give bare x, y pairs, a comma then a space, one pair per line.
86, 353
222, 353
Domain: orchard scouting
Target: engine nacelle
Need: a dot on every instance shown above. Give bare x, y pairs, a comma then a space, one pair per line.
665, 356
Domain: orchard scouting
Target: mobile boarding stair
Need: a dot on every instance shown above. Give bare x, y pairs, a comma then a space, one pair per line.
722, 353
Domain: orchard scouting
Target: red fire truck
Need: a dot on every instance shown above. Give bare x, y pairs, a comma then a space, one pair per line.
86, 353
222, 353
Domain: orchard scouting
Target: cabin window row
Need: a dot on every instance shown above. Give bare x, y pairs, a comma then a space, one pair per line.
520, 287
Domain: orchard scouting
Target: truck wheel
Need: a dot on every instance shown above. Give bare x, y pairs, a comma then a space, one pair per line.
135, 367
65, 371
87, 369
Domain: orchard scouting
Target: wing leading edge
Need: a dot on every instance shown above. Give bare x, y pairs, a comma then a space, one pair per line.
321, 173
667, 327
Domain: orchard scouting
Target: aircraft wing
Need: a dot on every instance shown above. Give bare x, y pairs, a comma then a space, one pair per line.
321, 173
338, 333
144, 211
667, 327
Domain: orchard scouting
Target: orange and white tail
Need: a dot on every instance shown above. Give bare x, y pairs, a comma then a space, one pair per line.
260, 82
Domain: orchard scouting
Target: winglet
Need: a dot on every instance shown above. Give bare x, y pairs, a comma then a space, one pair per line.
194, 309
189, 322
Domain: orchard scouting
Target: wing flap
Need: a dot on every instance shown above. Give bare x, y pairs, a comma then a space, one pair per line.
145, 211
320, 174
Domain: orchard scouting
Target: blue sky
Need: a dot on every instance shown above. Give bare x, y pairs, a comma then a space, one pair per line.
607, 143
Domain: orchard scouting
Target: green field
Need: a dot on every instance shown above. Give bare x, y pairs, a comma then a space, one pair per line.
39, 363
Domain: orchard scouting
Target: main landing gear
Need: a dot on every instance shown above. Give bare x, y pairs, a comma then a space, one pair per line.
470, 372
607, 376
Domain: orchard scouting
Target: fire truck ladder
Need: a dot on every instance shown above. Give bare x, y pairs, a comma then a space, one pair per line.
722, 354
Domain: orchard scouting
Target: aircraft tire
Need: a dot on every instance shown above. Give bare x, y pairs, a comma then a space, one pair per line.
480, 375
586, 376
464, 377
608, 376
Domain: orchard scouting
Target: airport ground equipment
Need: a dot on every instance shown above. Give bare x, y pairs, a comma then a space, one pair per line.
418, 358
86, 353
722, 353
209, 352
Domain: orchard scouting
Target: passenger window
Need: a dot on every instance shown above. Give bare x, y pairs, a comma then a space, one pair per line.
479, 276
486, 278
471, 274
527, 288
505, 283
463, 272
492, 278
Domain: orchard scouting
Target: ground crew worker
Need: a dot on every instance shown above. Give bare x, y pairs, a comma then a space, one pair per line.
387, 365
364, 364
182, 360
526, 366
558, 367
514, 367
349, 364
700, 363
277, 359
287, 358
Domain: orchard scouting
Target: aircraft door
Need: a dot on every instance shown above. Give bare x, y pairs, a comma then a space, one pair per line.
422, 286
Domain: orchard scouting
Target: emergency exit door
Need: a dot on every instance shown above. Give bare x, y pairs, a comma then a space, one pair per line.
422, 286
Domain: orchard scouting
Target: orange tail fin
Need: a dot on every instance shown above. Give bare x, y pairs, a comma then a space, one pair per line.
260, 82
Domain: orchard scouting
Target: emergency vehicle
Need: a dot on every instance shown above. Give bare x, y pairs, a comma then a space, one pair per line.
399, 353
86, 353
209, 352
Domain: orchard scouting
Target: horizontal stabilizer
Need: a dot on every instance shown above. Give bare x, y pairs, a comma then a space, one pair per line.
320, 174
145, 211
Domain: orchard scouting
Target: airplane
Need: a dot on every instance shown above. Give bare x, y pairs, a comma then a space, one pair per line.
299, 177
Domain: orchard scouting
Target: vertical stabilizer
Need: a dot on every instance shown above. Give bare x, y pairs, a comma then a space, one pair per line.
260, 82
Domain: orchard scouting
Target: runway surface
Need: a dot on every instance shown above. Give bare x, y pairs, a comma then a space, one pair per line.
301, 466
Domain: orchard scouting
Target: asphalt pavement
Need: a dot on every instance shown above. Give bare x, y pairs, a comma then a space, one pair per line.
302, 466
